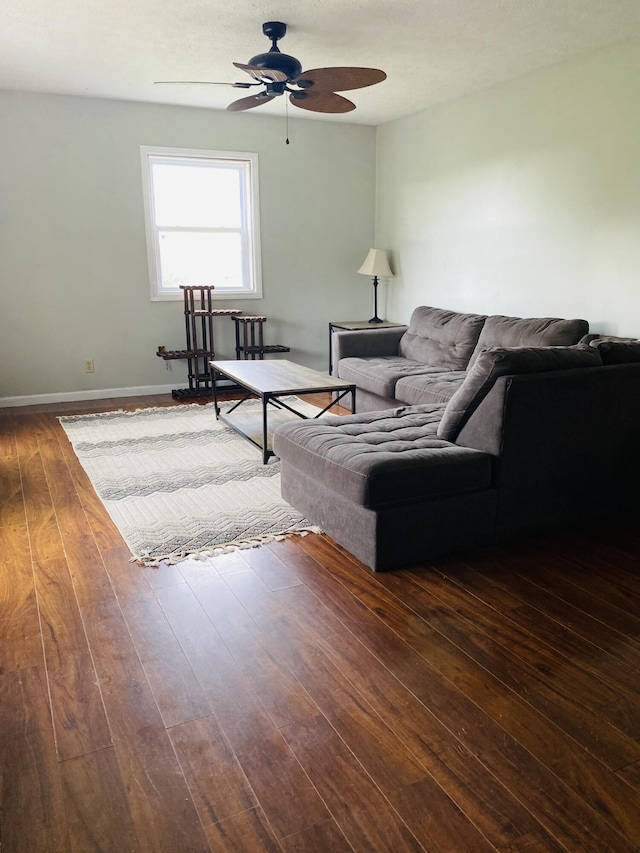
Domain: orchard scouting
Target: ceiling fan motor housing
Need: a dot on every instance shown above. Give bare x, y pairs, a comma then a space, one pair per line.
274, 60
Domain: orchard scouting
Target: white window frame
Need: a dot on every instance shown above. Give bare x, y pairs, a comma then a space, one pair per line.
250, 229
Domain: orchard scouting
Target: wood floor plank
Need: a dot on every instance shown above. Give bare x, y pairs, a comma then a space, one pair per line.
158, 797
44, 536
96, 806
76, 702
55, 466
78, 713
218, 601
128, 579
159, 577
243, 832
284, 791
346, 788
11, 500
176, 690
14, 550
90, 579
218, 786
272, 572
231, 562
435, 819
33, 814
20, 641
631, 775
63, 632
226, 686
280, 693
326, 836
8, 443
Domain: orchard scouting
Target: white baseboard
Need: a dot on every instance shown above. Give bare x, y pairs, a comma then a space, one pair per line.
93, 394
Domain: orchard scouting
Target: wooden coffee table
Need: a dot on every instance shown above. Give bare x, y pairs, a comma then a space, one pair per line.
270, 381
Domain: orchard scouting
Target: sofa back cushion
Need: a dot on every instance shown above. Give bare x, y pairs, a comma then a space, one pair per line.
501, 361
501, 331
617, 350
441, 338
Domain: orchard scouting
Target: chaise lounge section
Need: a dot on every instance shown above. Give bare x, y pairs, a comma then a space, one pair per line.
533, 437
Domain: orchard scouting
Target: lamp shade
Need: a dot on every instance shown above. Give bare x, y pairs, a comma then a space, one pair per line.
376, 263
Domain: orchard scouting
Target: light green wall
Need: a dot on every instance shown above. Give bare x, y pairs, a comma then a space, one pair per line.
523, 199
73, 258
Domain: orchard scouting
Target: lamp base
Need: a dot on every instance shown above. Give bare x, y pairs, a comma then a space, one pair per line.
376, 319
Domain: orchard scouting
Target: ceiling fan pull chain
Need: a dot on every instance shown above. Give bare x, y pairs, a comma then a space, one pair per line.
286, 113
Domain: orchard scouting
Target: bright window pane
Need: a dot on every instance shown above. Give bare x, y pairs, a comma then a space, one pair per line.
197, 196
202, 221
199, 259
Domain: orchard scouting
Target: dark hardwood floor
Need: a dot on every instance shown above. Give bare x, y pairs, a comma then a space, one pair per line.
286, 698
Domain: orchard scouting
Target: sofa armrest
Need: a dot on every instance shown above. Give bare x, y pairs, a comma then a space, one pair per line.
367, 343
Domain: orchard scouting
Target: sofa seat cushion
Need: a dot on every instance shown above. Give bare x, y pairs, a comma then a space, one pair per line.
503, 361
441, 338
379, 375
499, 331
429, 388
380, 459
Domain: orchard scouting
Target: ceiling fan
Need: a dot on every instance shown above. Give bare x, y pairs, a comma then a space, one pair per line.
278, 73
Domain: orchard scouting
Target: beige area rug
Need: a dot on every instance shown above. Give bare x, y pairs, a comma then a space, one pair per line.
177, 482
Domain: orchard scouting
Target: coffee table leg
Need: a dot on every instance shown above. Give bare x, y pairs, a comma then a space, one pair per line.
214, 388
265, 450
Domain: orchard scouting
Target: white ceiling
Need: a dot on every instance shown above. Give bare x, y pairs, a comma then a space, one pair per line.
432, 50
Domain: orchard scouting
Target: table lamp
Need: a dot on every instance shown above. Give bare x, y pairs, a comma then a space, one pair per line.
376, 264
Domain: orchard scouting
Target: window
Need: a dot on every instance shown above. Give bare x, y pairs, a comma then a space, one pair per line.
201, 210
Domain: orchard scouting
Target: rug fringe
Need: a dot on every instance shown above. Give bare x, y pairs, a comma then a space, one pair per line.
218, 550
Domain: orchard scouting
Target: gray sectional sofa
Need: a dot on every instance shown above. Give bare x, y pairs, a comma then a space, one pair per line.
531, 436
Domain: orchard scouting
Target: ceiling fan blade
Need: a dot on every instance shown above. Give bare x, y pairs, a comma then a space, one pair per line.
206, 83
339, 79
323, 102
250, 102
262, 75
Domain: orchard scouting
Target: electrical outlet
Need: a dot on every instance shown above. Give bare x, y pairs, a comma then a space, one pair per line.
88, 366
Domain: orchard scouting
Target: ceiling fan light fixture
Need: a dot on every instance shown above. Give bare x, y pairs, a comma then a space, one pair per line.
274, 88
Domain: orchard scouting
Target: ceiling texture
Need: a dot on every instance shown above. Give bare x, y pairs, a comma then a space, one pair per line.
431, 50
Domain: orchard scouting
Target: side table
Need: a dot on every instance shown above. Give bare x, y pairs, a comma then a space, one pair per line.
355, 326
